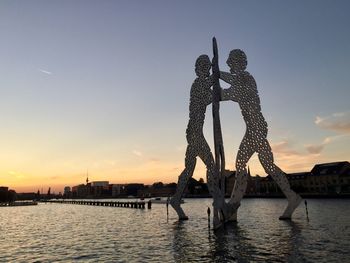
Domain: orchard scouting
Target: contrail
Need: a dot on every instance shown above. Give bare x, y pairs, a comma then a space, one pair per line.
45, 71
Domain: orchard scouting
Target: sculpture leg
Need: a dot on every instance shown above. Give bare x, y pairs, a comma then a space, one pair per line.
213, 183
245, 152
175, 201
266, 159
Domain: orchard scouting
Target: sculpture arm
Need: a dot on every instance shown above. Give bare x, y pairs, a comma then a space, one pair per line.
227, 94
211, 80
227, 77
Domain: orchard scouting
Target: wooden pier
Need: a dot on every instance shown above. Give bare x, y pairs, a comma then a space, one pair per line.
19, 203
135, 204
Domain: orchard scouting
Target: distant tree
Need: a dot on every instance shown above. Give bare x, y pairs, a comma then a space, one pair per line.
3, 196
201, 180
12, 196
8, 196
192, 183
158, 185
172, 185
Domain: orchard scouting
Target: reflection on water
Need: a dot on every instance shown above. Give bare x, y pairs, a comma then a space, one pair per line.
230, 244
66, 233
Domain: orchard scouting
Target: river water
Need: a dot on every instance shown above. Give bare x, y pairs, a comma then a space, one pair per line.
73, 233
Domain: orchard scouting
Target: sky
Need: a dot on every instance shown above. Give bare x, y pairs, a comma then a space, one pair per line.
102, 87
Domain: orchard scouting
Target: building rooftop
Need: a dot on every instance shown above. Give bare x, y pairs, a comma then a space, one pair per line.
340, 168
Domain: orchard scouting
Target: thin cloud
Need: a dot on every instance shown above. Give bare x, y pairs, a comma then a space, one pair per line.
289, 160
314, 149
283, 147
154, 160
338, 122
137, 153
45, 71
16, 174
318, 148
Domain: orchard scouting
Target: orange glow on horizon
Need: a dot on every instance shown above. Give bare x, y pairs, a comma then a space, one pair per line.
146, 173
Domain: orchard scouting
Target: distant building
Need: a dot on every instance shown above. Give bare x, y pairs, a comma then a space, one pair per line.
133, 189
117, 189
297, 181
7, 195
99, 184
3, 194
158, 190
329, 178
100, 189
326, 178
67, 192
80, 191
253, 183
4, 189
27, 196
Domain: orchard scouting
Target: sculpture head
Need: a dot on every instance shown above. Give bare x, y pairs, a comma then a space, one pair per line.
237, 61
203, 66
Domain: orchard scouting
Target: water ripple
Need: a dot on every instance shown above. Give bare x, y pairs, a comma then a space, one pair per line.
73, 233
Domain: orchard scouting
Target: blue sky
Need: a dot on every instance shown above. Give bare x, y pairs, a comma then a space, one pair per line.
104, 85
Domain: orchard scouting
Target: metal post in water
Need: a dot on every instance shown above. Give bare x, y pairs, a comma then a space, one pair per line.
167, 209
307, 212
208, 212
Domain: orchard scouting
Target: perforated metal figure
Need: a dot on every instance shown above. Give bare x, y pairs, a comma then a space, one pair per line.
243, 90
200, 98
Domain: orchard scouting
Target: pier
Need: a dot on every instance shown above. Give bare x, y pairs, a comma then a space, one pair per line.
18, 203
136, 205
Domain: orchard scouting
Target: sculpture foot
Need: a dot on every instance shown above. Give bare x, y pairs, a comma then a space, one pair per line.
183, 218
293, 203
230, 212
219, 207
216, 223
175, 203
233, 217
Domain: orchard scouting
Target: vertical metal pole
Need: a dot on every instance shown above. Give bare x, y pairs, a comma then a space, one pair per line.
218, 141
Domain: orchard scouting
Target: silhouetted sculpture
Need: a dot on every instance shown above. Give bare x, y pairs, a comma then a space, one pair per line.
243, 90
200, 98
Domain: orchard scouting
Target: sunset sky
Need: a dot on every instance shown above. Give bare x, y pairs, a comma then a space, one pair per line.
104, 86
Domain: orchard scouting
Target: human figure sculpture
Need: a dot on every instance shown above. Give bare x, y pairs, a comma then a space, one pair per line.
244, 91
200, 98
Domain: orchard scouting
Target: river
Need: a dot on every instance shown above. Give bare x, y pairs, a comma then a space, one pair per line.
77, 233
